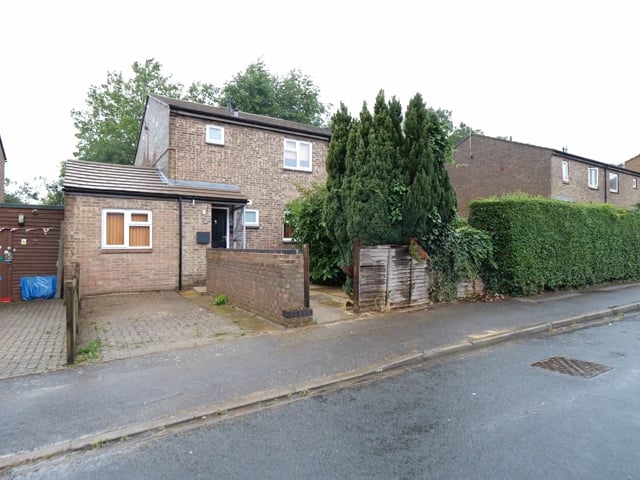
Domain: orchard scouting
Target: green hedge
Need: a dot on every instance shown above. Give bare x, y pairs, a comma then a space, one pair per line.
541, 244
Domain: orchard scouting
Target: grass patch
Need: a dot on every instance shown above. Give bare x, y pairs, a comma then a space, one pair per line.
221, 299
90, 350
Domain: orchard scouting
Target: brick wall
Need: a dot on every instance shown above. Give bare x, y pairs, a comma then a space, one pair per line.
196, 217
104, 271
251, 158
484, 167
269, 283
577, 188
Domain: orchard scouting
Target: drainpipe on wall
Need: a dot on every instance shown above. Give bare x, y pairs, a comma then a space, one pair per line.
606, 184
179, 243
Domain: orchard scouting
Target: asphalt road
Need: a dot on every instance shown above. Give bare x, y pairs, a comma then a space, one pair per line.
485, 415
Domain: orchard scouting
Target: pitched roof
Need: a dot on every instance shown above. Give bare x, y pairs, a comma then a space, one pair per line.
558, 153
129, 180
259, 121
4, 155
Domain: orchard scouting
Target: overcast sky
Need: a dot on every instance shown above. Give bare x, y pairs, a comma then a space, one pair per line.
549, 73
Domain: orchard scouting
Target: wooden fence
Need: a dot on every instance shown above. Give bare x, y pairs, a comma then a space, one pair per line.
387, 277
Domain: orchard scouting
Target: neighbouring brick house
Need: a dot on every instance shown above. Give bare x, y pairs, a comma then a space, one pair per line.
633, 163
485, 166
203, 177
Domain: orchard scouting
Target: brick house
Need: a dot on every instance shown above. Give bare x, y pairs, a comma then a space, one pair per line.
3, 160
203, 177
485, 166
633, 163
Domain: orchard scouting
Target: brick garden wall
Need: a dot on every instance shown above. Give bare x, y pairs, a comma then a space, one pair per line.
108, 271
270, 283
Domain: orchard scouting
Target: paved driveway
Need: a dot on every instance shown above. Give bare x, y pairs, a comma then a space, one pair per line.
32, 334
133, 324
32, 337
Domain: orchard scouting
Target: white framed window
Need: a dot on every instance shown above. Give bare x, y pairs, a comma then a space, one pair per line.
251, 218
613, 182
565, 171
593, 178
215, 135
297, 155
634, 183
129, 229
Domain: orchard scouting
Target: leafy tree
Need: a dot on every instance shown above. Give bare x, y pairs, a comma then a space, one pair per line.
334, 213
108, 129
387, 180
293, 97
26, 192
461, 132
305, 215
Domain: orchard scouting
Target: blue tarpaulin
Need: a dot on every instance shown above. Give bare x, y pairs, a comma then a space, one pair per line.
38, 287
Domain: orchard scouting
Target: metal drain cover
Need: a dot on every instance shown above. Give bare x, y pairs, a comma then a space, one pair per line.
577, 368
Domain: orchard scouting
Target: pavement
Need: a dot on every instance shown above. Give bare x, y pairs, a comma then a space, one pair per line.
90, 404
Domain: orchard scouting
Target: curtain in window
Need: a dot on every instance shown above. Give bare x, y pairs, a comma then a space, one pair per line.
115, 228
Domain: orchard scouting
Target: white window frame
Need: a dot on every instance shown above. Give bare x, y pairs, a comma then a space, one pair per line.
614, 178
247, 223
295, 149
592, 177
215, 141
634, 182
127, 223
565, 171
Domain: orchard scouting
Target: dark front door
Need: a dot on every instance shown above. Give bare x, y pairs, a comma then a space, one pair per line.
219, 229
6, 253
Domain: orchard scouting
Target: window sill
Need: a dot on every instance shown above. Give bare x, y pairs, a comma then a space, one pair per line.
127, 250
293, 169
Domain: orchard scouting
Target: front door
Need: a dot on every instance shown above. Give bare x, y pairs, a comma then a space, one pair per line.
6, 253
219, 229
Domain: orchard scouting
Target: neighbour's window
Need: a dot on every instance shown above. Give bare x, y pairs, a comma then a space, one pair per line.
613, 182
287, 228
251, 218
297, 155
126, 229
593, 178
565, 171
215, 135
634, 182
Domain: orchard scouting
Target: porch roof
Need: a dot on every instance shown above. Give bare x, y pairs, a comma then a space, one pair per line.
129, 180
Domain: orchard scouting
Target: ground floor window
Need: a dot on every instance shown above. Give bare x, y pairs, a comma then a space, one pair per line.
126, 229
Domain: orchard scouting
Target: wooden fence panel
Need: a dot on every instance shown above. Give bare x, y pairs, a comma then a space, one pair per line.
388, 278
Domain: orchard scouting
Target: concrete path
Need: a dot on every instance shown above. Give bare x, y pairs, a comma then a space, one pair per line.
87, 405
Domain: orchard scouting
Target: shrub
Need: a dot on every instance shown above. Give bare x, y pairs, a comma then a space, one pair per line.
543, 244
305, 215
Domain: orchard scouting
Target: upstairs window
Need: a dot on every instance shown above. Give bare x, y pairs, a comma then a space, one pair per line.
565, 171
634, 183
215, 135
129, 229
297, 155
613, 182
593, 178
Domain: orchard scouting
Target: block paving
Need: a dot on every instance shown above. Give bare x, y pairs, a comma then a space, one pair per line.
32, 337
